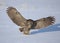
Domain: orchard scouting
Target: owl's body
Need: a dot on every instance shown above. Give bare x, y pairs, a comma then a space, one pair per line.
26, 25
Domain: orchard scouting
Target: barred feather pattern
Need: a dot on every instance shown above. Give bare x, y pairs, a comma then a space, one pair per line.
44, 22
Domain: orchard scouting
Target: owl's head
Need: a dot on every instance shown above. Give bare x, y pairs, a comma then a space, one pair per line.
30, 22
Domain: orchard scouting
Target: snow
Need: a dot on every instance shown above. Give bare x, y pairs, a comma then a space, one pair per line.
12, 35
33, 9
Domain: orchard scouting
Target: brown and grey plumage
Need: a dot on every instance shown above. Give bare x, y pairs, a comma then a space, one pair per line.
28, 24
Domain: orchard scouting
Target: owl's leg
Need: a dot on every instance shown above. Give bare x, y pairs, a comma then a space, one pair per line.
21, 29
26, 31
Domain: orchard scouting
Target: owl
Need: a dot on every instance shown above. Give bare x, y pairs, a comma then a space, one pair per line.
27, 24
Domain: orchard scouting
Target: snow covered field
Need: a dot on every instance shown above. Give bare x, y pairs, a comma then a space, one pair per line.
11, 34
33, 9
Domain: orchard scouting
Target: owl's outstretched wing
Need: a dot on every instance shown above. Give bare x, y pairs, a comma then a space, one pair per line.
15, 16
44, 22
